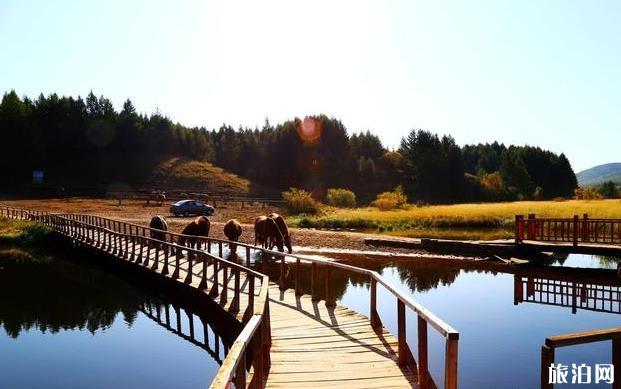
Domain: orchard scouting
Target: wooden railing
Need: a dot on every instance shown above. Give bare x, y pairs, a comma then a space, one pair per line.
554, 342
574, 230
235, 359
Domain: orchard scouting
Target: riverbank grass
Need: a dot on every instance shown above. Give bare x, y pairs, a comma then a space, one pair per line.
22, 233
458, 221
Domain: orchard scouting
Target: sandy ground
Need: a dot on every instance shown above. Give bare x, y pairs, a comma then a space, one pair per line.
135, 211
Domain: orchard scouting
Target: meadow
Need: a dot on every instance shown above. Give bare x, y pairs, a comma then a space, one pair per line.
458, 221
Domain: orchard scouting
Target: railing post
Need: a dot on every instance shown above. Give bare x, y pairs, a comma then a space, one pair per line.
376, 323
250, 308
519, 228
133, 256
585, 227
156, 259
330, 302
616, 360
282, 285
298, 286
225, 283
203, 283
166, 254
240, 372
575, 230
214, 288
237, 292
146, 260
547, 359
530, 232
313, 280
178, 255
450, 367
188, 277
422, 353
248, 256
401, 333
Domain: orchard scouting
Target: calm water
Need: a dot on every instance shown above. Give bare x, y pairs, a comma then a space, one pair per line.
501, 333
66, 325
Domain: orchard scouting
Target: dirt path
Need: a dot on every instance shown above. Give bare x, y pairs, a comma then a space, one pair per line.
138, 212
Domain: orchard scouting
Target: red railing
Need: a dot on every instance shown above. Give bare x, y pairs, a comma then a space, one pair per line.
571, 230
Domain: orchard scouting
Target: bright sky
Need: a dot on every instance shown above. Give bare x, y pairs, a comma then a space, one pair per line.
526, 72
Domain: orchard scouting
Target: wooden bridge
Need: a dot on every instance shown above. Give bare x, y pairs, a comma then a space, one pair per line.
290, 337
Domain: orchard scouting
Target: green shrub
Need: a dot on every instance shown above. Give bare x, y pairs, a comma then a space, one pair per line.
299, 201
343, 198
390, 200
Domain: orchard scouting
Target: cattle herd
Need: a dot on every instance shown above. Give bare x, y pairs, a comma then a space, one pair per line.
269, 231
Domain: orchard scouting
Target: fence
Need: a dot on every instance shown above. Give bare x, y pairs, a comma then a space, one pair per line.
575, 230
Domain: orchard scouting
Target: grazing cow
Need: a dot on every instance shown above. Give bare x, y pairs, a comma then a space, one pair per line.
232, 230
267, 233
158, 223
198, 227
284, 230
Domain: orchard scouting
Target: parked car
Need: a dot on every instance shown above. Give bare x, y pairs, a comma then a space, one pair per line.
191, 207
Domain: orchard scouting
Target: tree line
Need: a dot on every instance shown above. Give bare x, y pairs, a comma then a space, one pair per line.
313, 153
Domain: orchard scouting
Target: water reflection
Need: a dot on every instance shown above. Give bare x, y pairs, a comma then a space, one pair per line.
47, 306
417, 275
53, 295
600, 292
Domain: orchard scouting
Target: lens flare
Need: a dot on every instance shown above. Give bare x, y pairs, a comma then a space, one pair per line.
309, 130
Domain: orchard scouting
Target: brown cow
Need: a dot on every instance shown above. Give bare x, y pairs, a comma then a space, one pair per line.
267, 233
232, 230
198, 227
158, 223
284, 230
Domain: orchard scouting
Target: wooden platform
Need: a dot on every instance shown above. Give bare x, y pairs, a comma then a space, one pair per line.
316, 346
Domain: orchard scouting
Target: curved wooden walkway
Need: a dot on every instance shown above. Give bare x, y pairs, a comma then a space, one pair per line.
294, 340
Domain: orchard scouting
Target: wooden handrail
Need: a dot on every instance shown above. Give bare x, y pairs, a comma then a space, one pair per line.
403, 300
582, 337
554, 342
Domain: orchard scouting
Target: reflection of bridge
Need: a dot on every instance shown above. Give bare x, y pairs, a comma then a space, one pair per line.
169, 317
600, 295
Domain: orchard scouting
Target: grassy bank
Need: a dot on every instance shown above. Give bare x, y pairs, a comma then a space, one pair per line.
23, 233
459, 221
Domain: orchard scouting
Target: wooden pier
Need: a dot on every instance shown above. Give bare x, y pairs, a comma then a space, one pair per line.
290, 337
583, 235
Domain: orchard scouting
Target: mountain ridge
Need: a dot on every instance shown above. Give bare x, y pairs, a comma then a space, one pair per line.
600, 173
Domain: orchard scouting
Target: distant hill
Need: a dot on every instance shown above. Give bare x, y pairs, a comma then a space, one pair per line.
112, 171
598, 174
192, 174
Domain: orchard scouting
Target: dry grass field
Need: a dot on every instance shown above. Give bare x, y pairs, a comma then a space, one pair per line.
333, 228
459, 221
